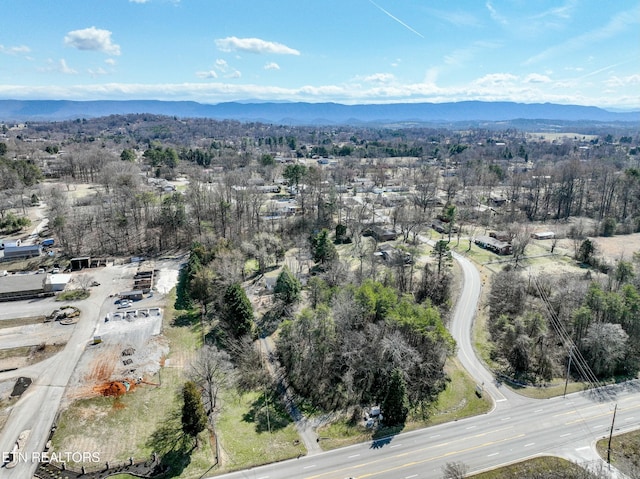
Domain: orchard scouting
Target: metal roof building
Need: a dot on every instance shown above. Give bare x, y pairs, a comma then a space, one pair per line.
18, 252
21, 286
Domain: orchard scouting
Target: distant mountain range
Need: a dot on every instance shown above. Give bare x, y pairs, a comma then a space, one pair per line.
315, 113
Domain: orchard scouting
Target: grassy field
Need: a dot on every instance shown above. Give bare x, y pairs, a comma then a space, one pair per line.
135, 425
73, 295
625, 452
457, 401
536, 467
249, 437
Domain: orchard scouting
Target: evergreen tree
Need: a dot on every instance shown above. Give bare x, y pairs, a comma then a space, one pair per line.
586, 252
322, 248
294, 174
194, 418
442, 253
393, 408
127, 155
287, 288
238, 313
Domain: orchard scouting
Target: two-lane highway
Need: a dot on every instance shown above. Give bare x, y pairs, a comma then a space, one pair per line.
560, 425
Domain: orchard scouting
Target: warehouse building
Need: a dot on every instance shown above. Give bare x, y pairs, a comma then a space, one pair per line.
22, 252
22, 286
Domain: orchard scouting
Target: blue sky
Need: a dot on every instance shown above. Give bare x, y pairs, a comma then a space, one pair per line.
584, 52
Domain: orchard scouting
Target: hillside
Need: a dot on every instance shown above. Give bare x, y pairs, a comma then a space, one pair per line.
316, 113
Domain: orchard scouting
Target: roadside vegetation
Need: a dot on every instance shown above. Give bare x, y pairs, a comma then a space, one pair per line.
546, 467
624, 453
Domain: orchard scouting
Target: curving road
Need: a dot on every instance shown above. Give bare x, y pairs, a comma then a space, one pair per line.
517, 428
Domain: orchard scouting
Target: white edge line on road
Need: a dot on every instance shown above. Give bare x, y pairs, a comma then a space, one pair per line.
309, 467
530, 444
396, 445
351, 457
494, 454
565, 435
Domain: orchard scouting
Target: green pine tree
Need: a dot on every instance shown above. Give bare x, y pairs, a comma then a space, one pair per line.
287, 288
194, 418
322, 247
238, 312
393, 408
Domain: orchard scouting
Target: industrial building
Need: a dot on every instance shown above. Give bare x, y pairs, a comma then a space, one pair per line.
22, 286
16, 287
21, 252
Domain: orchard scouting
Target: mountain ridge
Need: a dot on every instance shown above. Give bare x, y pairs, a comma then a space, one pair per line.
302, 113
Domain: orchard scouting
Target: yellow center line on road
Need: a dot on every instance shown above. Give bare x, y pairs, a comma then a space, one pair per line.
608, 413
403, 454
415, 463
576, 411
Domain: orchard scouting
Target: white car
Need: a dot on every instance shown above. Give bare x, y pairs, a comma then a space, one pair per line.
124, 303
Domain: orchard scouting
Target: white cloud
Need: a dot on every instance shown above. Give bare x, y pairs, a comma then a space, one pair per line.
207, 74
272, 66
537, 78
221, 67
139, 1
94, 39
495, 15
14, 50
617, 24
496, 79
58, 67
379, 78
110, 61
253, 45
564, 11
493, 87
616, 81
458, 18
97, 72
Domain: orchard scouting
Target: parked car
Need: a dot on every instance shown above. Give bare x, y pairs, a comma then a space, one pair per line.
124, 303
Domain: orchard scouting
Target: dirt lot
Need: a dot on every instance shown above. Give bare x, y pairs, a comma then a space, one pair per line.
132, 347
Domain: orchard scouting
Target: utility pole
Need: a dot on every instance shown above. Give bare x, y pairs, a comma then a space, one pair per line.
610, 436
566, 383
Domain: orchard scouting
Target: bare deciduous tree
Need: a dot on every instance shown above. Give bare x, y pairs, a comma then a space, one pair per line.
211, 370
454, 470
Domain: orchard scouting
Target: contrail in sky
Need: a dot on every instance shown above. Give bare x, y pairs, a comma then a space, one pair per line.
607, 68
396, 19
